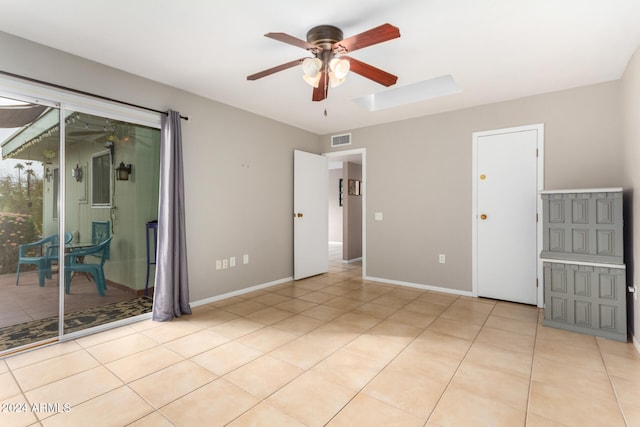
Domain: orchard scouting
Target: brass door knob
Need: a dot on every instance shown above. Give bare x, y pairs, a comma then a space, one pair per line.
299, 215
483, 217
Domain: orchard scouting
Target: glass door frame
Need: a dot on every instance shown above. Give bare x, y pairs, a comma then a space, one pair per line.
22, 90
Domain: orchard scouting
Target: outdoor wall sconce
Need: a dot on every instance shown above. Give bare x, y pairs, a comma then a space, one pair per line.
77, 173
123, 171
48, 174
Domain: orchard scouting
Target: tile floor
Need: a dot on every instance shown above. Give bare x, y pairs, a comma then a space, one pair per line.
330, 350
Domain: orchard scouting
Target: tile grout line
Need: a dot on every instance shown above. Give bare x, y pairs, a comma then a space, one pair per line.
298, 376
306, 370
460, 363
613, 387
382, 369
533, 353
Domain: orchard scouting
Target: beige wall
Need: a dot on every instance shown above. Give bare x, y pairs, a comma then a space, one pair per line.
631, 159
335, 210
239, 178
352, 218
419, 176
238, 168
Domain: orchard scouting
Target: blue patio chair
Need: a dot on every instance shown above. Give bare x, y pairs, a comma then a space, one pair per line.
100, 231
52, 252
42, 254
74, 262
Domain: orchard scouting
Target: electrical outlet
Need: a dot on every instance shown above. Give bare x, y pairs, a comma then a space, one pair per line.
442, 259
225, 264
218, 264
245, 259
232, 261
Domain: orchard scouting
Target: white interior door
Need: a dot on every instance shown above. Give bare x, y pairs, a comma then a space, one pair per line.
310, 215
506, 253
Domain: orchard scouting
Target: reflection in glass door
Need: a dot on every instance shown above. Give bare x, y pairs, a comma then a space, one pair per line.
111, 192
29, 258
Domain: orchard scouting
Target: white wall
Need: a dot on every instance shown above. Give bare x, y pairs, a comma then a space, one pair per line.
352, 218
631, 159
335, 210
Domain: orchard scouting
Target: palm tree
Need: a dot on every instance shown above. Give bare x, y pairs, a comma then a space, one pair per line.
19, 166
29, 173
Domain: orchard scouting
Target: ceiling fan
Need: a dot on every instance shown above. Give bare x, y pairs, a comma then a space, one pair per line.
329, 64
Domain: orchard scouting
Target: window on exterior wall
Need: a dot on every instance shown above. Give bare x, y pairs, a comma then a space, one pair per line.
56, 194
101, 179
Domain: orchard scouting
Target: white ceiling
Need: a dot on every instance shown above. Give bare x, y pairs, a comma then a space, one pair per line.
494, 49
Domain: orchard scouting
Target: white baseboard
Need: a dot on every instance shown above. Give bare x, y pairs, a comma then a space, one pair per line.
350, 261
239, 292
420, 286
636, 343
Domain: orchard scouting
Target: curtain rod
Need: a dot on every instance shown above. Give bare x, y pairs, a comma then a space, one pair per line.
82, 92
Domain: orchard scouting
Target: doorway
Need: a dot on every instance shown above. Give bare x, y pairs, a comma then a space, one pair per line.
347, 205
507, 176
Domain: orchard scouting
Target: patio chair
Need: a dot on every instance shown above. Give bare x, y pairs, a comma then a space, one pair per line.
42, 254
100, 231
75, 263
52, 252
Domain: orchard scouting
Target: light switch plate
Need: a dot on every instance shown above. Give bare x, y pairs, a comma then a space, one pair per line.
378, 216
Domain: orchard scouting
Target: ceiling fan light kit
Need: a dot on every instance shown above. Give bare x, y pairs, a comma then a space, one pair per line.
329, 64
311, 68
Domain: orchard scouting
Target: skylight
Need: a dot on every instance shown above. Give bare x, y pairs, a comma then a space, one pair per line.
403, 95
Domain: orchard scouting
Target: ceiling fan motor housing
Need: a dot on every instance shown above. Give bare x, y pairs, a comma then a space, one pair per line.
324, 36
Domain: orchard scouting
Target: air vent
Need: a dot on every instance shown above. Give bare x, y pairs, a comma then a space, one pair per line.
340, 140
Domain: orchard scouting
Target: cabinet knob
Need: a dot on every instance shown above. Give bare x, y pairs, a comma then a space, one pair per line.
483, 217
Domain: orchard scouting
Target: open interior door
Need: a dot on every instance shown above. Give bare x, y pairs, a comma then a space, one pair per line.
310, 215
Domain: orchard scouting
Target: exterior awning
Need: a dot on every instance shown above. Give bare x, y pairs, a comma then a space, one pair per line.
38, 140
16, 116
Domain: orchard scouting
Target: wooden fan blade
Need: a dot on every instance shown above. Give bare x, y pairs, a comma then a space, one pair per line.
320, 92
286, 38
275, 69
374, 36
371, 72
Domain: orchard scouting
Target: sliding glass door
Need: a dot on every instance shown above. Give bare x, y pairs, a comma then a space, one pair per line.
111, 193
78, 205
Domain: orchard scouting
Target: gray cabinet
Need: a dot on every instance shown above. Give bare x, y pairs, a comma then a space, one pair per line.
584, 274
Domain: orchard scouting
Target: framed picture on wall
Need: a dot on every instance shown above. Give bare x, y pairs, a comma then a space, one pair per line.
354, 187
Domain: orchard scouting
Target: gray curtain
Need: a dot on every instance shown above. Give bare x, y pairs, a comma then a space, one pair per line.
171, 294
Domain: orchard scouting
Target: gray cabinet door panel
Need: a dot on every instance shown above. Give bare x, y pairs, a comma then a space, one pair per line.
583, 227
584, 298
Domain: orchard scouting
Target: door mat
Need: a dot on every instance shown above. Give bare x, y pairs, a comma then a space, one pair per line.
39, 330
